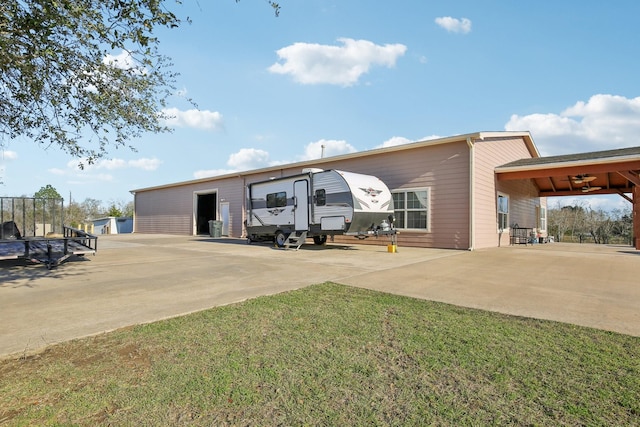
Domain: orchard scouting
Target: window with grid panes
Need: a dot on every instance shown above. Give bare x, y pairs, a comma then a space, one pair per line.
503, 212
411, 208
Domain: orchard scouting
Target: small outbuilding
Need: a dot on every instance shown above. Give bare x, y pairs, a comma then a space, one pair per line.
112, 225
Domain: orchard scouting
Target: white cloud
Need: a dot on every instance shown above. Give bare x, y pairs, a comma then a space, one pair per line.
331, 147
340, 65
182, 92
110, 164
199, 119
145, 164
603, 122
395, 140
400, 140
248, 158
8, 155
454, 25
211, 172
124, 61
243, 160
254, 158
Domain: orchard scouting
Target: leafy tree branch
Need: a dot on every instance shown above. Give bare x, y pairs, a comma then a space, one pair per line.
85, 76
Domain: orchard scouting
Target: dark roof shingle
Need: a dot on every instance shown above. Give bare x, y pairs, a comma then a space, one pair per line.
594, 155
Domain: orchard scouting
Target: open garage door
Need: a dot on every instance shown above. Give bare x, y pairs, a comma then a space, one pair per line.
206, 211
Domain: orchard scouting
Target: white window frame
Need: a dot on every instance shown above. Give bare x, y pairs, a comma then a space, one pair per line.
542, 218
405, 210
498, 212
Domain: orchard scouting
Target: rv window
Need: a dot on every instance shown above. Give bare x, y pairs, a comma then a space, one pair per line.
277, 200
321, 197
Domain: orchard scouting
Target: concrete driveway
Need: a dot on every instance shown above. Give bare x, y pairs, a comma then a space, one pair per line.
143, 278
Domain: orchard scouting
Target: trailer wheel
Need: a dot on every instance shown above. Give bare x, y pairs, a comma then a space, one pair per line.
281, 238
320, 240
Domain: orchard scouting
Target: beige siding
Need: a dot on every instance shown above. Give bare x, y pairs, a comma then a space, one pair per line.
443, 168
171, 210
166, 211
522, 194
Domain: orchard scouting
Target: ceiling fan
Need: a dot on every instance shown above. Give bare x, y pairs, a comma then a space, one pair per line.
587, 188
582, 179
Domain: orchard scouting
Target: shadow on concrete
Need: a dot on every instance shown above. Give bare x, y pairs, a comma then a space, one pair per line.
271, 245
224, 241
16, 273
630, 252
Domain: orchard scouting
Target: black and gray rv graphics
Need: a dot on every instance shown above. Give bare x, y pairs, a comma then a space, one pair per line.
317, 203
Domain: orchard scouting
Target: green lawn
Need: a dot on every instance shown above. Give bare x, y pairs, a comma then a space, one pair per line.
331, 355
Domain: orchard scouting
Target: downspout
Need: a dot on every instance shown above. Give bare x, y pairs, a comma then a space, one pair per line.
133, 226
472, 205
245, 195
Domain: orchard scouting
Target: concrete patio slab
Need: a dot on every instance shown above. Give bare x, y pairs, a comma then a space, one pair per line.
137, 279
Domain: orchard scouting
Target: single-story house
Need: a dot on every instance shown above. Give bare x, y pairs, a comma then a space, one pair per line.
472, 190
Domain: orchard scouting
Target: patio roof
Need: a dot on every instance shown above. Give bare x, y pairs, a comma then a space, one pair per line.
598, 172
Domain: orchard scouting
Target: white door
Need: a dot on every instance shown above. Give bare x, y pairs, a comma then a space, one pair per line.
224, 214
301, 206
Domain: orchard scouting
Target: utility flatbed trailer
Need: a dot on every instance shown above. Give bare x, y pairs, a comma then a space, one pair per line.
50, 251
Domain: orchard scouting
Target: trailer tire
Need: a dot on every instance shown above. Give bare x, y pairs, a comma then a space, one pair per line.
320, 240
280, 238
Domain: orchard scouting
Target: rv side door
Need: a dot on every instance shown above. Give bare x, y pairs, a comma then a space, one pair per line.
301, 205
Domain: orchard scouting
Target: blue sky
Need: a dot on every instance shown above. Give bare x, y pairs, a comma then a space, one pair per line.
354, 75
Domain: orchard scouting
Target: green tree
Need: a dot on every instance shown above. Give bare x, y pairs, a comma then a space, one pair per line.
120, 208
114, 211
84, 75
92, 208
74, 215
63, 82
47, 192
48, 215
128, 209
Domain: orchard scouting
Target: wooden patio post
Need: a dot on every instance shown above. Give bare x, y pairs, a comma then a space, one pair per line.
636, 216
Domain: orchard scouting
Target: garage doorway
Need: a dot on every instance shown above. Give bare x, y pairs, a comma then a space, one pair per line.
206, 210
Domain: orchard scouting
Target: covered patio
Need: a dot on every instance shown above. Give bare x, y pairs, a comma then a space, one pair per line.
598, 172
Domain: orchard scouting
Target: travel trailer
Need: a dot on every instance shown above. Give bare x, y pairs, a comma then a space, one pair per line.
317, 203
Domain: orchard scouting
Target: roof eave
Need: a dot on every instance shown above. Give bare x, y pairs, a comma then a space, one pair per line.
565, 164
318, 162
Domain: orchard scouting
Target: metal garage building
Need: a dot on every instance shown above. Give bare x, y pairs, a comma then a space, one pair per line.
464, 189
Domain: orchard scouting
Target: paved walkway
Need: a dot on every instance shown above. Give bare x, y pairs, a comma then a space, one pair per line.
143, 278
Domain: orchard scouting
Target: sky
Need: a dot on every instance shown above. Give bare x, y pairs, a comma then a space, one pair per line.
354, 75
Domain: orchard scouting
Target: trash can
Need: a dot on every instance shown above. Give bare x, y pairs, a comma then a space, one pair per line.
215, 228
